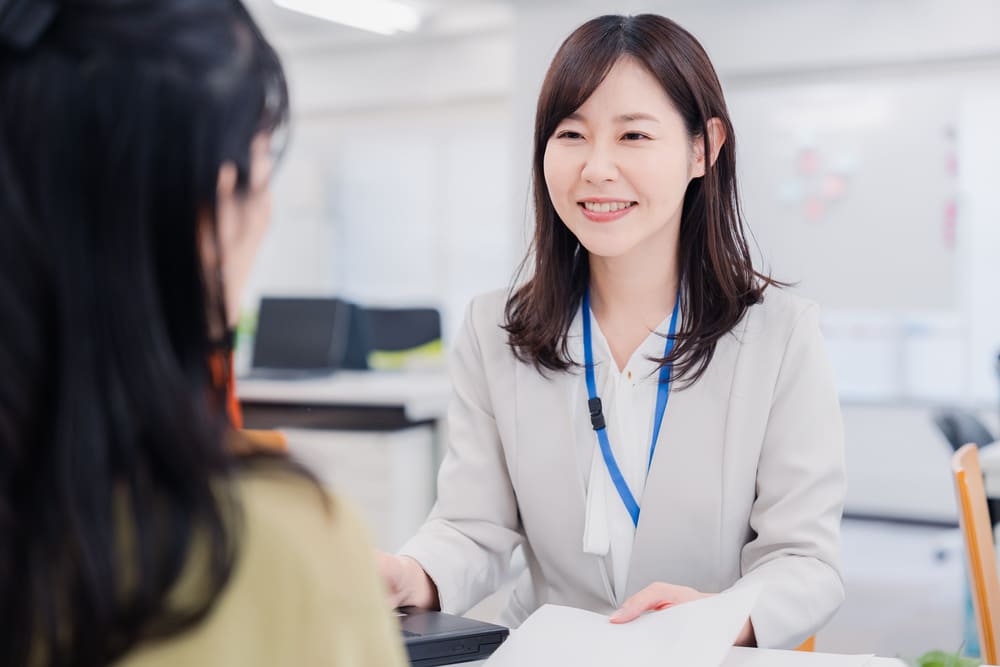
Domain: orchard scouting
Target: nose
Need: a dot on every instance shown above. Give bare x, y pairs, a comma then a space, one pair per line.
599, 166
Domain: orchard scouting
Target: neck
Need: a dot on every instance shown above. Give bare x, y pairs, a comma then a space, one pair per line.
640, 287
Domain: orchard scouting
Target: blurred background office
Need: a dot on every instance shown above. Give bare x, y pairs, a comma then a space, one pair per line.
869, 151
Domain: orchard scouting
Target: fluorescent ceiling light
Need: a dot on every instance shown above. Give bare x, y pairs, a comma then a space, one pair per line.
385, 17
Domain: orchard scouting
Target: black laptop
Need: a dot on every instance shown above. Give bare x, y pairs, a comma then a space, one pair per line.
435, 638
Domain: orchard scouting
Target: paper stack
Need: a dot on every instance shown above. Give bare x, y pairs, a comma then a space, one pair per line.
694, 634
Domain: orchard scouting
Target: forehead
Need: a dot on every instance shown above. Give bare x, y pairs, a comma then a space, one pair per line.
628, 88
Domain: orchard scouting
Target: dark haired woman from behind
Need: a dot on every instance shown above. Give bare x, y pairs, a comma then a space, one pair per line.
135, 155
644, 364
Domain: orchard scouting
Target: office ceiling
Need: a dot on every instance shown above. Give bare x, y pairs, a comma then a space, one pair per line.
289, 29
292, 31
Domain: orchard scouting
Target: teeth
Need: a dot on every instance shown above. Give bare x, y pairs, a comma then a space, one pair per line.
606, 207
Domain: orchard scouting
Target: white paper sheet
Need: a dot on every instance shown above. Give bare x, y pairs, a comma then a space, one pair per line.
694, 634
749, 657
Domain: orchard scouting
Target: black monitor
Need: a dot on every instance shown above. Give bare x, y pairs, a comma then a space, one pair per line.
309, 335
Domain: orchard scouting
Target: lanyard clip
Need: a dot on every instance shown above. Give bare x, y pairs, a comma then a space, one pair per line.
596, 413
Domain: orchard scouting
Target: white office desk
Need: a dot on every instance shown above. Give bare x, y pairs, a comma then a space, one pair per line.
369, 435
376, 400
758, 657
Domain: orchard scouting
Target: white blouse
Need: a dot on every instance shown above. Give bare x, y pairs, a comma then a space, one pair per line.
628, 398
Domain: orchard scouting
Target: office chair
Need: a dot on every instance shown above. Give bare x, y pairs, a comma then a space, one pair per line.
960, 427
398, 337
397, 329
977, 532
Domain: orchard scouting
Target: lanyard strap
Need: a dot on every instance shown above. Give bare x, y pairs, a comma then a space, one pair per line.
597, 413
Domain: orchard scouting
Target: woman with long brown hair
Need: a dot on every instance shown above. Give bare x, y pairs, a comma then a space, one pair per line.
651, 417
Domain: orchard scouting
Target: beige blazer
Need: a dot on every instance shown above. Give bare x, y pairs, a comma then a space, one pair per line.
747, 484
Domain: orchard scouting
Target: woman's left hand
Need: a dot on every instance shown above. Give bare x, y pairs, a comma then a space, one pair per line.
661, 595
654, 597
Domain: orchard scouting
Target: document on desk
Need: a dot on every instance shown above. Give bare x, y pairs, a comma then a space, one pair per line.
694, 634
751, 657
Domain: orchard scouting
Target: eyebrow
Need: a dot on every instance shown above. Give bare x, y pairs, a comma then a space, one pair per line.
623, 118
638, 115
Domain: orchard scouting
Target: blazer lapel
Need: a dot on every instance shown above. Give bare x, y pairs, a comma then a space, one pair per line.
680, 511
549, 479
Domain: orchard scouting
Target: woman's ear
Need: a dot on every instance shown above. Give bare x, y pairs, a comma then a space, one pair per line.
716, 138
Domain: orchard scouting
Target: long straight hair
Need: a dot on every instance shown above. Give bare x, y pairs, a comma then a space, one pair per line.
113, 127
717, 277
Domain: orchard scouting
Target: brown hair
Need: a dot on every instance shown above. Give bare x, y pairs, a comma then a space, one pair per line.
717, 277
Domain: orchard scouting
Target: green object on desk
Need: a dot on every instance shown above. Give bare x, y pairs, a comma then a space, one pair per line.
428, 355
942, 659
246, 327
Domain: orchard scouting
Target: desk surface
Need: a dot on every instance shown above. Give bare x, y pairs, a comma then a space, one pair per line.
422, 396
756, 657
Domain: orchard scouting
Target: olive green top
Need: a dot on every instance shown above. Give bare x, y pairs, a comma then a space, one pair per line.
303, 591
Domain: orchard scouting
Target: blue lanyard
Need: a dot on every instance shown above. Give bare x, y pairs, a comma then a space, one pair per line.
597, 414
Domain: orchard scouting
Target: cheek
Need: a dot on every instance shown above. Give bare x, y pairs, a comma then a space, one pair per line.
557, 174
560, 181
264, 214
662, 177
257, 220
243, 230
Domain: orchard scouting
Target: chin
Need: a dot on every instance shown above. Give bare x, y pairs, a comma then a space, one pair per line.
607, 248
603, 240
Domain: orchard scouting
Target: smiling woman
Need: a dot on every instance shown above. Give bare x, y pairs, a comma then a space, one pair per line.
605, 164
653, 419
635, 118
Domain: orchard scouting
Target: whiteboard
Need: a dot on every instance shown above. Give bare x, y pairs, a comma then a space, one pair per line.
851, 188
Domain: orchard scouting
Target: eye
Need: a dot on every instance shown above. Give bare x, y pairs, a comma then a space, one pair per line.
634, 136
568, 134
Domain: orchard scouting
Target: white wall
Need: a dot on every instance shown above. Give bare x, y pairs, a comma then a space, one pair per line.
980, 202
396, 185
448, 70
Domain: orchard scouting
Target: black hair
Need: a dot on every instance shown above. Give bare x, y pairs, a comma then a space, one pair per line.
114, 122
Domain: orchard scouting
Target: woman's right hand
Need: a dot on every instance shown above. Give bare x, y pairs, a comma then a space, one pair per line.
406, 582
